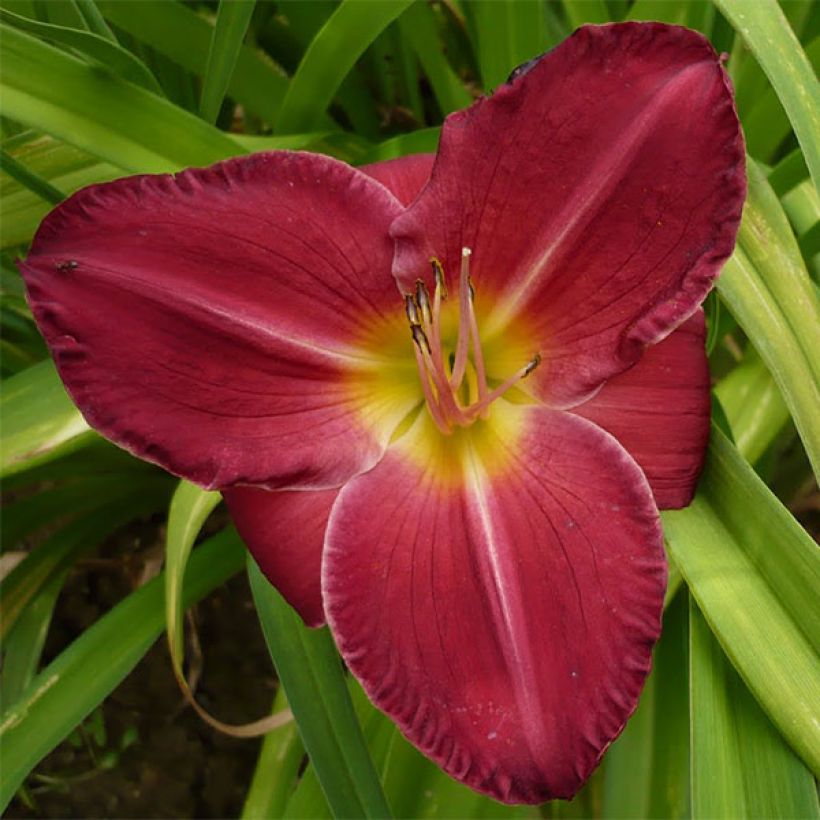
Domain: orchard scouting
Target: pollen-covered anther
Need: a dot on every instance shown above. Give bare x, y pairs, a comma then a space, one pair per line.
451, 400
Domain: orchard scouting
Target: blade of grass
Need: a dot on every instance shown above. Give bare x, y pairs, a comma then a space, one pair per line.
100, 113
310, 670
94, 20
418, 27
423, 141
180, 34
759, 602
63, 548
754, 406
766, 32
40, 422
579, 12
83, 675
62, 166
26, 177
740, 765
789, 172
104, 52
646, 770
232, 20
510, 32
766, 124
331, 55
24, 645
277, 768
767, 288
190, 508
660, 10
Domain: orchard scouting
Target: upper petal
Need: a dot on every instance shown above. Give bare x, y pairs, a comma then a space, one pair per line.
599, 191
404, 177
499, 597
226, 322
285, 532
659, 410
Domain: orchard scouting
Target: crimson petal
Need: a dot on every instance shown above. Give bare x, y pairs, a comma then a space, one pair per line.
500, 600
659, 410
285, 532
213, 321
600, 192
404, 177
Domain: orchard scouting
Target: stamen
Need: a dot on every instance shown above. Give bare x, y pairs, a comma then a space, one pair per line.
420, 338
411, 309
480, 406
448, 402
429, 396
464, 302
438, 277
423, 301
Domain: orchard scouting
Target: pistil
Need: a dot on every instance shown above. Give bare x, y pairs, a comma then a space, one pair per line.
442, 389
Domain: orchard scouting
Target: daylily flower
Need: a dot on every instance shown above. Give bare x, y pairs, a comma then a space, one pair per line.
461, 474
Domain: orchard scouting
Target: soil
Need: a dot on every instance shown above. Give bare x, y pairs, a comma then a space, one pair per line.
144, 753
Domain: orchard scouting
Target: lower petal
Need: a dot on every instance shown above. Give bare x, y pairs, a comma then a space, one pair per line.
659, 410
498, 593
285, 532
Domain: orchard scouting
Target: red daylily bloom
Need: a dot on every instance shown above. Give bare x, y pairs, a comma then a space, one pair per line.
469, 491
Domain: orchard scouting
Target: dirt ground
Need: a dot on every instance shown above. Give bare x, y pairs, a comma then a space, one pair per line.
144, 753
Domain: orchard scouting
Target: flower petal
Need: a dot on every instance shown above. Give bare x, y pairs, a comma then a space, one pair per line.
659, 411
498, 594
600, 192
285, 533
404, 177
217, 322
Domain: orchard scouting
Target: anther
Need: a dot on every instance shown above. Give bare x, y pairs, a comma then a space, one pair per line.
438, 275
532, 364
423, 301
411, 309
420, 338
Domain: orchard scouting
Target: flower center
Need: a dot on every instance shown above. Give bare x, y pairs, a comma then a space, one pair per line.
455, 385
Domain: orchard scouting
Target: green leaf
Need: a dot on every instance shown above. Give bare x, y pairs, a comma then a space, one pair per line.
26, 177
766, 124
760, 602
753, 405
94, 20
331, 55
49, 90
40, 422
64, 167
105, 53
767, 288
79, 679
311, 672
509, 32
423, 141
181, 35
190, 508
232, 22
61, 550
277, 768
646, 770
741, 767
418, 27
766, 32
24, 644
661, 10
586, 11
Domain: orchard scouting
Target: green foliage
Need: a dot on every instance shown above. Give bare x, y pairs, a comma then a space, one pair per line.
728, 723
